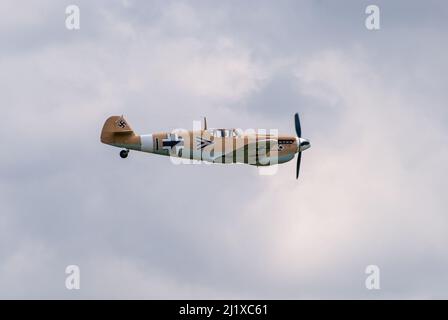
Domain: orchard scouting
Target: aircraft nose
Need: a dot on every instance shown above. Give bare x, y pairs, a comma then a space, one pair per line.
302, 144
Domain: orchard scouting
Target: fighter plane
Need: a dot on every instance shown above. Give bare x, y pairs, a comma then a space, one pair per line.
211, 145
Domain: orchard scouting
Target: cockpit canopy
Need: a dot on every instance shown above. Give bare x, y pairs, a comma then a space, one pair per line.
225, 133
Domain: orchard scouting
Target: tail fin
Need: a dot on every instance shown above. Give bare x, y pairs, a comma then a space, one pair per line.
115, 130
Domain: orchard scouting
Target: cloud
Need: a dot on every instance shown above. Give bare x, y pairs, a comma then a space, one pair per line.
364, 200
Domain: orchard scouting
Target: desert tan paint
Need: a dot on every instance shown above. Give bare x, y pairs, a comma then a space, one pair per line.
254, 149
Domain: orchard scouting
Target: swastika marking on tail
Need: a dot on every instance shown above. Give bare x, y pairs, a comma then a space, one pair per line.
121, 123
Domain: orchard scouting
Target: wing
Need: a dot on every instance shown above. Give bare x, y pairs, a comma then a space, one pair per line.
262, 150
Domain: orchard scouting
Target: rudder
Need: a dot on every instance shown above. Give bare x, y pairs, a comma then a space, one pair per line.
115, 129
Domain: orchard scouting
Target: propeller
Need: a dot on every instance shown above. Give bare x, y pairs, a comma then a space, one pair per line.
302, 144
299, 159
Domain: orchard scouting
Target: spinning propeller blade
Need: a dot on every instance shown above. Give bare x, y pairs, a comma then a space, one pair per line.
303, 144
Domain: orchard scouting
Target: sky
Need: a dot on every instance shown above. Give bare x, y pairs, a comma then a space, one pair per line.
373, 185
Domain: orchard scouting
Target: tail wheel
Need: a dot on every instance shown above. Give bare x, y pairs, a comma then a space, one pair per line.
124, 154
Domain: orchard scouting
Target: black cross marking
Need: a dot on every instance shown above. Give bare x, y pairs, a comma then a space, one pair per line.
170, 144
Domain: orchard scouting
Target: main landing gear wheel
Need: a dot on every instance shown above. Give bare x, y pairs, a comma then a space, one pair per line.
124, 153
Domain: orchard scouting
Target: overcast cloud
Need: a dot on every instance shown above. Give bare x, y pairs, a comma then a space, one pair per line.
372, 187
